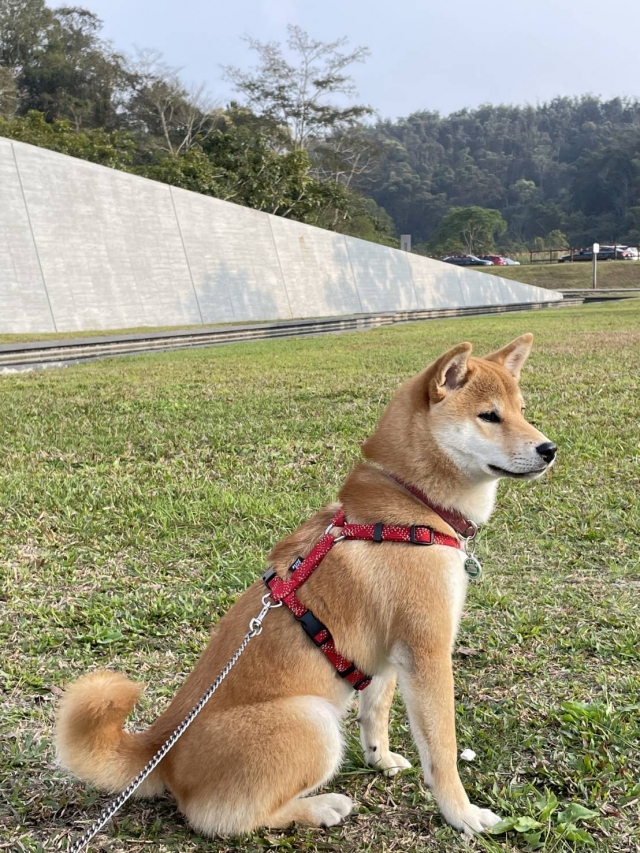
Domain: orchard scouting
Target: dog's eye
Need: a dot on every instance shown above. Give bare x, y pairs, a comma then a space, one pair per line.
490, 417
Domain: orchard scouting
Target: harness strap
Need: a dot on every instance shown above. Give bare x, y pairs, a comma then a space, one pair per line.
417, 534
285, 590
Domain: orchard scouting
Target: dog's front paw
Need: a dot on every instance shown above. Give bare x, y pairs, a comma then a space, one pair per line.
472, 819
389, 764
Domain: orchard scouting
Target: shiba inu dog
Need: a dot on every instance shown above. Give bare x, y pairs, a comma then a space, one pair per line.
272, 734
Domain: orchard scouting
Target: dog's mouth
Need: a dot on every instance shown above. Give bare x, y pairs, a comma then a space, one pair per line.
518, 475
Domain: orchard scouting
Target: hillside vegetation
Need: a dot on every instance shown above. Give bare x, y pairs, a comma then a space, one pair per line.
565, 172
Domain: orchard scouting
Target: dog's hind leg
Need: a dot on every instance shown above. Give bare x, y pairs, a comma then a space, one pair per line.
252, 766
321, 810
373, 716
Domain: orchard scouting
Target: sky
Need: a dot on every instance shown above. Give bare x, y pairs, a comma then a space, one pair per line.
424, 54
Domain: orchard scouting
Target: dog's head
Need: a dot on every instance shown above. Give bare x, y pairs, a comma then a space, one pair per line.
476, 413
469, 411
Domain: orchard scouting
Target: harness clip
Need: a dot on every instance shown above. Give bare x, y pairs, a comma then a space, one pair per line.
268, 576
312, 626
412, 535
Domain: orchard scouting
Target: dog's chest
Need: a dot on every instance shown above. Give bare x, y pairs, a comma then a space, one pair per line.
457, 581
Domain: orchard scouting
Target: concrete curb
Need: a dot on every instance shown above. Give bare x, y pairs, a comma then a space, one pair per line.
67, 351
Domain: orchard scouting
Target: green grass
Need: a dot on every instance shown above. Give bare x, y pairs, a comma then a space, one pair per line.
612, 275
138, 497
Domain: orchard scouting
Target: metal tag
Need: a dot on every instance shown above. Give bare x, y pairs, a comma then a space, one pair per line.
472, 566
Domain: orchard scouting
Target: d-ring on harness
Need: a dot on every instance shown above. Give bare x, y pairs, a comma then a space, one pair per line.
284, 591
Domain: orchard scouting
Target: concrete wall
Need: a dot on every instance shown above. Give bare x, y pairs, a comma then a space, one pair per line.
85, 247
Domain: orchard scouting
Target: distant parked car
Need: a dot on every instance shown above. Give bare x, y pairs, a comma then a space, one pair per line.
467, 261
496, 260
510, 262
606, 253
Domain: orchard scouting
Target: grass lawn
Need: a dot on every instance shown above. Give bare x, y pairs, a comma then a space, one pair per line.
138, 497
612, 275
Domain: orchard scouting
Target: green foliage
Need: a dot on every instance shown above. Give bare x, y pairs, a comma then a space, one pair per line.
553, 240
238, 162
115, 148
363, 218
468, 229
62, 66
549, 828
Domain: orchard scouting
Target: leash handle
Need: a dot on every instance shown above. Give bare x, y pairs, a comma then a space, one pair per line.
255, 628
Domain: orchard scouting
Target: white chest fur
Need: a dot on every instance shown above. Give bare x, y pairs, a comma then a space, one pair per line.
457, 580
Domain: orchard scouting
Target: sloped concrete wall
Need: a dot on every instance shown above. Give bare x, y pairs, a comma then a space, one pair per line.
85, 247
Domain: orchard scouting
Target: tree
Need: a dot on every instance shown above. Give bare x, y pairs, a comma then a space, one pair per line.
237, 162
8, 92
23, 28
163, 108
468, 229
298, 95
63, 68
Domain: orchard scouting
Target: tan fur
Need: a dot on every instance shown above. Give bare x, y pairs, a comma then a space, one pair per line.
272, 734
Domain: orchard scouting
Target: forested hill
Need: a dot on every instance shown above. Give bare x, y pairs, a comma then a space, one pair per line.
572, 165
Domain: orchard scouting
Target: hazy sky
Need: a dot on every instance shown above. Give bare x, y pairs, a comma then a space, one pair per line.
425, 54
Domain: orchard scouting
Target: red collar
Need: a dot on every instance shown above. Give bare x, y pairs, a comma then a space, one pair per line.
463, 527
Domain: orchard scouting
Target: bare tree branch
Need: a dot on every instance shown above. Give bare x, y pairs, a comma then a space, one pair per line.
301, 95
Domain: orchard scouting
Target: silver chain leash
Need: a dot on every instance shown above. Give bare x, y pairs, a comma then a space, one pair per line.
255, 628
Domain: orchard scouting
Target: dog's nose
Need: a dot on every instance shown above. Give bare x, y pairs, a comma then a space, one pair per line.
548, 451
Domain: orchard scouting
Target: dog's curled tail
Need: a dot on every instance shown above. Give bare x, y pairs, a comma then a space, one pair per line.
90, 740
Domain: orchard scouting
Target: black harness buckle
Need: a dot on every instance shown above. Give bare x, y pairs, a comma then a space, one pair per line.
268, 576
412, 535
377, 532
312, 626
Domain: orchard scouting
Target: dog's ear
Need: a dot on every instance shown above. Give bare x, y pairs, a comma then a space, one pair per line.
513, 356
449, 372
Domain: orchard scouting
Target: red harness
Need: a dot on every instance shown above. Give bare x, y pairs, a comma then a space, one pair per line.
285, 590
